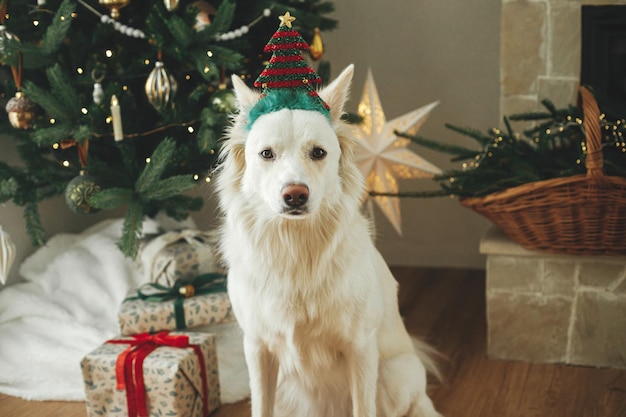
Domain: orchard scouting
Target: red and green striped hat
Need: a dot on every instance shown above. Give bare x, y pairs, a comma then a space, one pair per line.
288, 81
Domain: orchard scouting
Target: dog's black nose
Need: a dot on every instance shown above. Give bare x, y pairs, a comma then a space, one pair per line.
296, 195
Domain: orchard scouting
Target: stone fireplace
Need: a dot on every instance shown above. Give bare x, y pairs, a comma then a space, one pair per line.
542, 307
540, 52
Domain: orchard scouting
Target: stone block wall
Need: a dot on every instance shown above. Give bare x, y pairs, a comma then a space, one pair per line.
554, 308
540, 53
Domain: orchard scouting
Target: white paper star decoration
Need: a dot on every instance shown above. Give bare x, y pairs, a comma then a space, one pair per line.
383, 157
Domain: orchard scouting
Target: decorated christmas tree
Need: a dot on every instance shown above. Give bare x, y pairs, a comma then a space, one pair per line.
123, 103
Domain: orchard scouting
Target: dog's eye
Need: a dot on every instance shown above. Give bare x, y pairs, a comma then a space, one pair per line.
318, 153
267, 154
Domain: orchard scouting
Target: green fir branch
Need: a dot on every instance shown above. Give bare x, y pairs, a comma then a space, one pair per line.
47, 101
8, 189
60, 100
475, 134
34, 228
169, 187
57, 31
64, 91
201, 62
111, 198
47, 136
178, 28
131, 230
324, 7
228, 58
158, 163
459, 151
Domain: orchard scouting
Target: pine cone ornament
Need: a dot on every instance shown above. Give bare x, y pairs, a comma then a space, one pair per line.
22, 111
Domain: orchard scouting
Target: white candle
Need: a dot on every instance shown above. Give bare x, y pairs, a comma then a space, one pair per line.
116, 115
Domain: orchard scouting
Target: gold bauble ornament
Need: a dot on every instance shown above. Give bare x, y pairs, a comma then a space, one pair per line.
160, 87
79, 190
22, 111
316, 49
114, 6
171, 5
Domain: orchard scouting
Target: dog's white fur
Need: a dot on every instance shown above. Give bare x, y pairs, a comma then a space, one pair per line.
317, 303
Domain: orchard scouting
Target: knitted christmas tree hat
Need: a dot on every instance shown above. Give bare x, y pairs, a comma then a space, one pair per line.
288, 81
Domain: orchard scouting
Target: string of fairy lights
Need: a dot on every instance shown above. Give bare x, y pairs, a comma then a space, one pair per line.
613, 135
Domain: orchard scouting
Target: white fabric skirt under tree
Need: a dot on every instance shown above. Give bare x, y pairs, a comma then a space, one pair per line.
67, 306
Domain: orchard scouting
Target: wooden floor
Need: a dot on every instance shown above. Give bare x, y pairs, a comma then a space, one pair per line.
447, 308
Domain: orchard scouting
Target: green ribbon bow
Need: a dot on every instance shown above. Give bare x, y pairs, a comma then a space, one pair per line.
208, 283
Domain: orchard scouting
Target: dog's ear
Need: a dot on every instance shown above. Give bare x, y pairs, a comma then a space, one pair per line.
336, 93
246, 97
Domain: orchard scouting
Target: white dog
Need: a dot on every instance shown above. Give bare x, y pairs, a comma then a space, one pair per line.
317, 303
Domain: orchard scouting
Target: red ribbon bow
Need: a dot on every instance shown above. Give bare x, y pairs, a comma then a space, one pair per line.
129, 368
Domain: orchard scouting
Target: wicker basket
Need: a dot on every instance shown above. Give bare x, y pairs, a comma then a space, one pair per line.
580, 215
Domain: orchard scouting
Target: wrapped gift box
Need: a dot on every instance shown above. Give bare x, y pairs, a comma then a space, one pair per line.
138, 315
176, 382
178, 255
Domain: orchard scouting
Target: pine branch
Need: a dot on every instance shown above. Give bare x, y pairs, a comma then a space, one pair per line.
62, 101
202, 62
472, 133
178, 28
324, 7
461, 152
47, 136
57, 31
168, 187
34, 228
229, 59
111, 198
64, 91
158, 163
8, 189
131, 230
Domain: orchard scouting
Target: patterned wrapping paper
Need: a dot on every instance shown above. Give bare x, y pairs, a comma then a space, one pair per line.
178, 255
138, 316
173, 382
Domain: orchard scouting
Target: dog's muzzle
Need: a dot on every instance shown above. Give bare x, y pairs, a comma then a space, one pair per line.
295, 197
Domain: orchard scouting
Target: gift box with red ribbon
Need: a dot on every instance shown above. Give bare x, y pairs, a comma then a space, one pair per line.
187, 304
150, 375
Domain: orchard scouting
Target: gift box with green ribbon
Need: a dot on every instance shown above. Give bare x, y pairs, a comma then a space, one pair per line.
201, 301
162, 374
